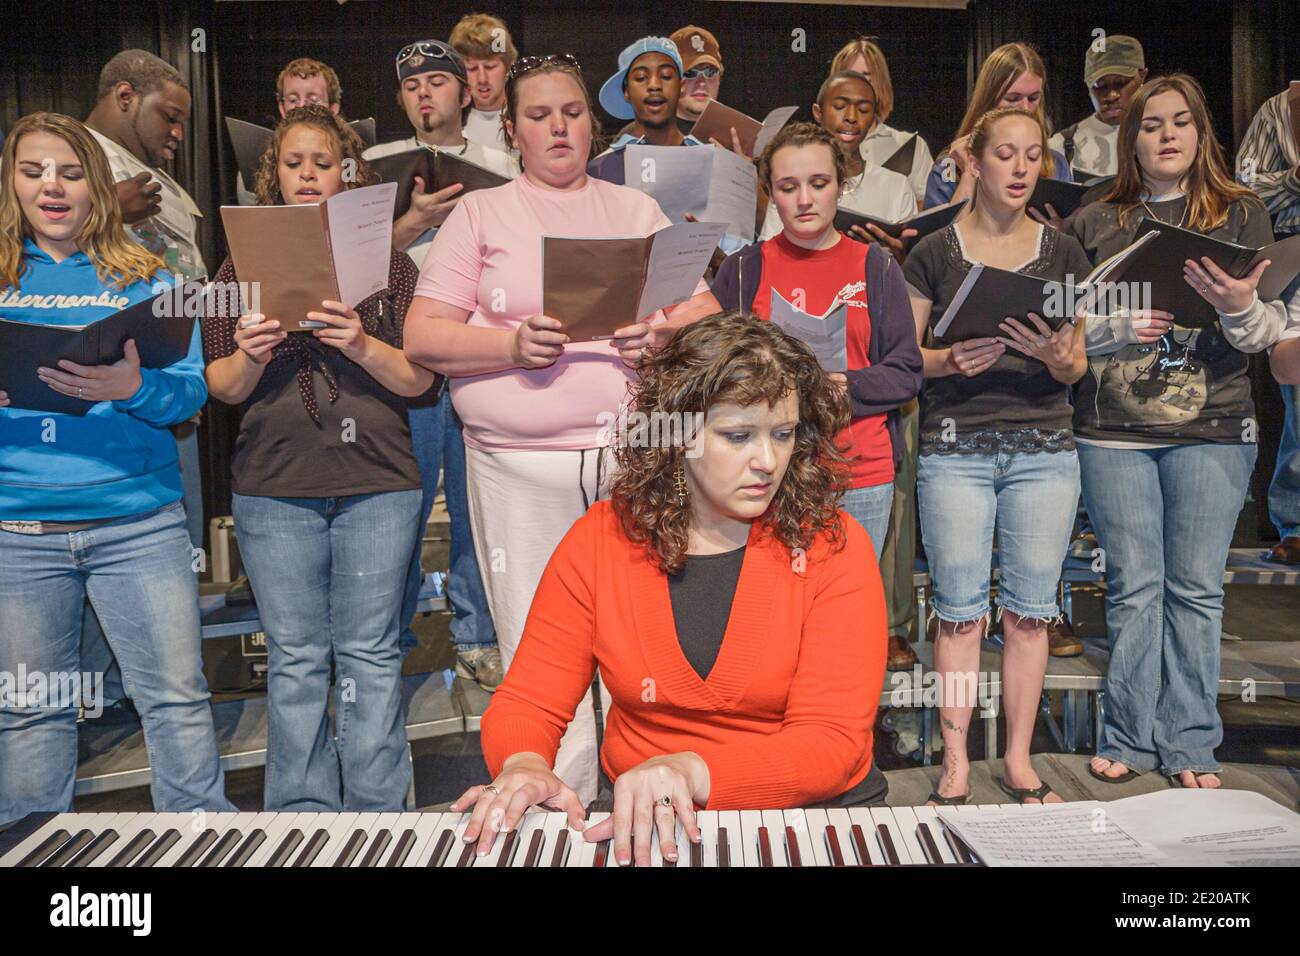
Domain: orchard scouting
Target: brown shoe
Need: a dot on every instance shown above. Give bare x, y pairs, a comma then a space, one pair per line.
901, 656
1286, 551
1062, 641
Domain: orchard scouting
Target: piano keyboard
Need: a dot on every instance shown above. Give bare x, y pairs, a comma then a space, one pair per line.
877, 836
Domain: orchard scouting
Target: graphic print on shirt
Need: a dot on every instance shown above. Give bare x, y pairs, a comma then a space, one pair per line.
1165, 383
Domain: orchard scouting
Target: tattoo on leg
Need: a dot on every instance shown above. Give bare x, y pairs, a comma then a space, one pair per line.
948, 724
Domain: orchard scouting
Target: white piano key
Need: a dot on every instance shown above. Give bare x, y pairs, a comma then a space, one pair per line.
810, 830
183, 824
428, 829
582, 852
707, 821
885, 816
62, 821
750, 821
241, 822
126, 832
340, 828
730, 820
927, 816
906, 822
191, 826
774, 821
280, 825
378, 823
458, 843
861, 816
553, 824
534, 821
839, 819
259, 821
108, 821
404, 821
490, 858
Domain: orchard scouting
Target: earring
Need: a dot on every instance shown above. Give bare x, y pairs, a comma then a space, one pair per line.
679, 481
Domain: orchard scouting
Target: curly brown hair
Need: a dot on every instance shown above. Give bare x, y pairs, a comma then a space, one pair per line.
346, 140
740, 359
801, 134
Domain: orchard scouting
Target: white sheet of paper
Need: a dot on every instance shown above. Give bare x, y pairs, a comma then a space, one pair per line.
772, 124
713, 185
1168, 828
361, 239
824, 334
678, 258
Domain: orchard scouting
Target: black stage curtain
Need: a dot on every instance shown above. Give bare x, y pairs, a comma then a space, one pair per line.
775, 54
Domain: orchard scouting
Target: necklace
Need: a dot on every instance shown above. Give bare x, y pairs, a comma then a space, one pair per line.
1151, 213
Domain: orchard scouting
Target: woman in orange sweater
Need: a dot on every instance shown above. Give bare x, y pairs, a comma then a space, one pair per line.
736, 618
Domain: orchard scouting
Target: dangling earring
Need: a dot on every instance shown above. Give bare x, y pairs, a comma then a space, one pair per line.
679, 481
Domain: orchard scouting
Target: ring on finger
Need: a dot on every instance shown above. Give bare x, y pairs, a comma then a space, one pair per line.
665, 801
491, 788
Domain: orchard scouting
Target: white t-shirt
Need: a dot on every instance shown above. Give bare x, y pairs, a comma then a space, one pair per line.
877, 192
177, 217
490, 159
1095, 145
485, 127
883, 141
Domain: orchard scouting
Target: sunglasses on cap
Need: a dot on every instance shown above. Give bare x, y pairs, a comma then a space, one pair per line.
433, 48
707, 72
526, 63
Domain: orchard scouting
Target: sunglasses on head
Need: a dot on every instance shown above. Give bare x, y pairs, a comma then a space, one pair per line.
434, 48
526, 63
707, 72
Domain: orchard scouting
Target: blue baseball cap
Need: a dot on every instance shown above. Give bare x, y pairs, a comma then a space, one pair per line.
611, 92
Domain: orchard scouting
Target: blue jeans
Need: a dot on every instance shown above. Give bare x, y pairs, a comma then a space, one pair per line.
1284, 491
871, 506
1164, 519
328, 576
137, 573
1030, 498
436, 438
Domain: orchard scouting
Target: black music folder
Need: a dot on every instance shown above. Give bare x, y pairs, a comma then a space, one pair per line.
924, 222
27, 346
438, 168
249, 141
1064, 197
1156, 263
988, 296
904, 156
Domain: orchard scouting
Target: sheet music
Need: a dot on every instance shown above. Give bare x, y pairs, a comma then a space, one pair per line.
360, 225
772, 124
678, 258
825, 334
1167, 828
713, 185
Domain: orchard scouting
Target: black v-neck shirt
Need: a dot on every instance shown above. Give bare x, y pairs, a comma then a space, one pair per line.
702, 593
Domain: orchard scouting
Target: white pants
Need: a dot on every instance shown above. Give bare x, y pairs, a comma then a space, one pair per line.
521, 503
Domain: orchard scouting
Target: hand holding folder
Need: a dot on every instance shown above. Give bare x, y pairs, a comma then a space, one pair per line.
717, 122
296, 257
596, 286
436, 169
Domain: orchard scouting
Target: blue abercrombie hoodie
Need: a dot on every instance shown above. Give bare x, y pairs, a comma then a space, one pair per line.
118, 460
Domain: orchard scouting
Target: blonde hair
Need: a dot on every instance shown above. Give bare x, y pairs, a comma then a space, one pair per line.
998, 74
877, 69
1210, 188
305, 68
983, 129
476, 35
343, 138
118, 261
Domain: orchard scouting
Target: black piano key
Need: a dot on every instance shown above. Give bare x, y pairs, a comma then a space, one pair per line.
247, 849
724, 848
377, 847
508, 848
285, 849
350, 849
764, 848
70, 849
229, 840
47, 846
860, 845
887, 845
534, 853
697, 855
833, 846
203, 841
159, 849
401, 849
561, 844
602, 851
442, 848
467, 856
964, 853
792, 847
134, 847
312, 849
930, 848
94, 849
